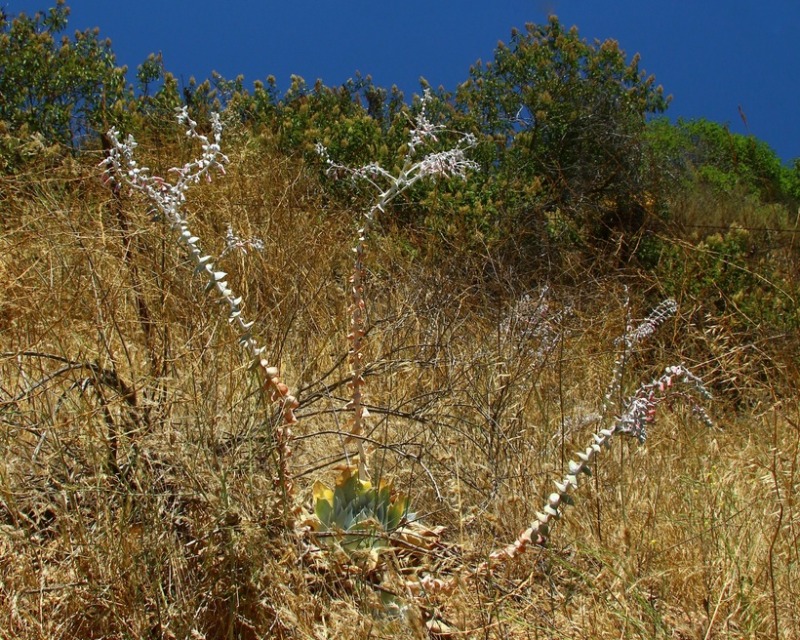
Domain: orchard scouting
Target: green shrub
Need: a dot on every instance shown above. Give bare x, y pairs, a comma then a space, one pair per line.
566, 115
67, 89
705, 152
728, 274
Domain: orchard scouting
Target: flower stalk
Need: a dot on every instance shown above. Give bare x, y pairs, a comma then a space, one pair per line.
168, 198
640, 411
449, 163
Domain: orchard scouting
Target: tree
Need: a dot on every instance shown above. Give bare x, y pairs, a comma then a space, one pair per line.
65, 90
568, 114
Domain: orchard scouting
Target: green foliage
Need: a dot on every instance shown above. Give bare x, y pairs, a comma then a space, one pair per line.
201, 99
566, 114
356, 513
334, 117
728, 276
792, 180
163, 103
64, 89
264, 100
151, 70
155, 109
707, 153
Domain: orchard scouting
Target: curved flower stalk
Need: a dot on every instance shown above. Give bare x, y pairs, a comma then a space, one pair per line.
452, 162
640, 411
168, 199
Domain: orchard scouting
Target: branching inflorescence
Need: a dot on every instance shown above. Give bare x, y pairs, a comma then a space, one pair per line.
235, 243
633, 336
452, 162
640, 410
168, 198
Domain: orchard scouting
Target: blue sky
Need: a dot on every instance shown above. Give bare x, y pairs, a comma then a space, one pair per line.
711, 55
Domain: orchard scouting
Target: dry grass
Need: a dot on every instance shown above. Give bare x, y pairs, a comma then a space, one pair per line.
136, 463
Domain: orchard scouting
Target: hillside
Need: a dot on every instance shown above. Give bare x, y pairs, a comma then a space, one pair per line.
452, 314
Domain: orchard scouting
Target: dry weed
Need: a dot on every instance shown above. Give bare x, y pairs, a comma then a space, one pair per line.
136, 458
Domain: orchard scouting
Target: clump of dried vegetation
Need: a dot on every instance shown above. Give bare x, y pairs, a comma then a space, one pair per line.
158, 478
